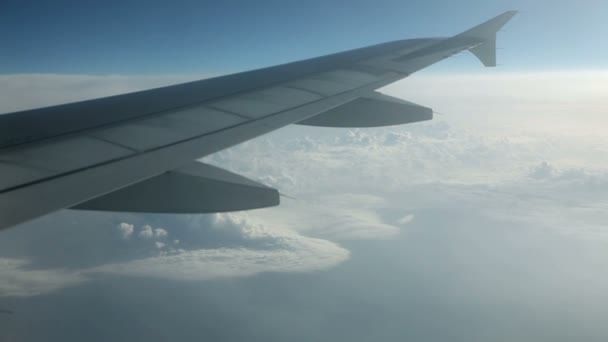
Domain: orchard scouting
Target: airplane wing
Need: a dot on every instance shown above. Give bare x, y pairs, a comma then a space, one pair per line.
137, 152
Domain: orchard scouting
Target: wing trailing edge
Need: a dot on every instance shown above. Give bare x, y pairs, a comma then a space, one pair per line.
372, 110
196, 188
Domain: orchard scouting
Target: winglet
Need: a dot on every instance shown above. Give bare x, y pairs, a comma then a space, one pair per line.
486, 52
486, 32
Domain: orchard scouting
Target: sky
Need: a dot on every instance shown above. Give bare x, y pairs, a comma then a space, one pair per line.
486, 224
152, 37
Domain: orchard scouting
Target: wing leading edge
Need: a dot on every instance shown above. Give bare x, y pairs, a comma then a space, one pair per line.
82, 154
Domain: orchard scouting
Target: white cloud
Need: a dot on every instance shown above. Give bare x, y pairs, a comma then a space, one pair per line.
146, 232
17, 281
256, 249
126, 230
305, 255
406, 219
281, 251
160, 233
340, 217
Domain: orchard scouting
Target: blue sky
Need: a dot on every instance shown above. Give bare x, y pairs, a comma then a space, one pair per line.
209, 37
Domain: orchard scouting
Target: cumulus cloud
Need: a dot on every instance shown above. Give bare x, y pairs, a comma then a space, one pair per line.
160, 233
126, 230
381, 160
260, 249
146, 232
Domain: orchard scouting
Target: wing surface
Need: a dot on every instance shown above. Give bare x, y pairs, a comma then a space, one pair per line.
65, 156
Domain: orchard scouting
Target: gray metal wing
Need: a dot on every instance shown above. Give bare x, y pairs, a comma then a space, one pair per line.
63, 156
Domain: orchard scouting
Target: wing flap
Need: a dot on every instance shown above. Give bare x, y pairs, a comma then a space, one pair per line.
372, 110
195, 188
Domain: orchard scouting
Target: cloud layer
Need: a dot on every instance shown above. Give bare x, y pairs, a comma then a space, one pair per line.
517, 164
257, 249
19, 282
